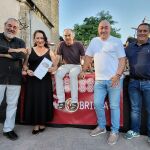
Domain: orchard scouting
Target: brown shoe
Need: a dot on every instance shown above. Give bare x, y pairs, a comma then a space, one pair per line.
113, 138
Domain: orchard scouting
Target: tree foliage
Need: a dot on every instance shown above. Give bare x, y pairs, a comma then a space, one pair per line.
86, 31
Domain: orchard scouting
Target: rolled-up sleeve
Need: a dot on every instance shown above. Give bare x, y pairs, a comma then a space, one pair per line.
19, 55
3, 49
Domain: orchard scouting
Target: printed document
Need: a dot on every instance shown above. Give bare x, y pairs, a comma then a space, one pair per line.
42, 68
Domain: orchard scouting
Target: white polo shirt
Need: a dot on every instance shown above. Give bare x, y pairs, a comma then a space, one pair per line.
105, 54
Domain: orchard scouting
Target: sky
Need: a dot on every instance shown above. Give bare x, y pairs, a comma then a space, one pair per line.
128, 13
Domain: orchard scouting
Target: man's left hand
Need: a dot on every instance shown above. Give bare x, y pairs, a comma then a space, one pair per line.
115, 81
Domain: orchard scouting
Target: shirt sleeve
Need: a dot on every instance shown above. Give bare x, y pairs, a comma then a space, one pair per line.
90, 49
126, 51
129, 49
3, 49
81, 48
20, 55
120, 50
59, 49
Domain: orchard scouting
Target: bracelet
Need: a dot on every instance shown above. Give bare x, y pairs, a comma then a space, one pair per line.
119, 75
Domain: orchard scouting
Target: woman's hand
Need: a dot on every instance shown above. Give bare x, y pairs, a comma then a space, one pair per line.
24, 73
30, 72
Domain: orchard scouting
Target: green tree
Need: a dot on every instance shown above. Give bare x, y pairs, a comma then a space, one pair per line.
86, 31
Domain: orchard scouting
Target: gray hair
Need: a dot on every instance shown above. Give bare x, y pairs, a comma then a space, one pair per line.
72, 32
12, 19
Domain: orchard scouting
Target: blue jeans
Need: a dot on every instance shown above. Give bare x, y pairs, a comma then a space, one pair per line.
101, 89
139, 91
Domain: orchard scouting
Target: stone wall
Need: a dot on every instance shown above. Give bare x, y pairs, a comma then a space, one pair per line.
44, 6
50, 8
55, 20
24, 19
8, 9
20, 9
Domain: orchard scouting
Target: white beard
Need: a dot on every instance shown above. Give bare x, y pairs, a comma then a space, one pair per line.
9, 35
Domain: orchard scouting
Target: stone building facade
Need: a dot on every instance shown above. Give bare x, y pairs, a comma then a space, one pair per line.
32, 15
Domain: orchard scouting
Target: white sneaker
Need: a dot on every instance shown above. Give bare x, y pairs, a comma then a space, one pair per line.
97, 131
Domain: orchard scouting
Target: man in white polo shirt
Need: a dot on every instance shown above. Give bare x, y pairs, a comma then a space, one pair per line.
109, 63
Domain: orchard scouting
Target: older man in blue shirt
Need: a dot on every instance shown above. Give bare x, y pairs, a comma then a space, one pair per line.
138, 54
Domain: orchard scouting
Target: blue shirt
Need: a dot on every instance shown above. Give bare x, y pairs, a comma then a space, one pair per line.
139, 60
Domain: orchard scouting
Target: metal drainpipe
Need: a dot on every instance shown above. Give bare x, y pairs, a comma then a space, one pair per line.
30, 23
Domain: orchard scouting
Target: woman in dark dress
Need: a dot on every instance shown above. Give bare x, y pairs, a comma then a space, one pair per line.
38, 92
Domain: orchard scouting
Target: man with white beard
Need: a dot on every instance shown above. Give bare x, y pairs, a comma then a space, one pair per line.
12, 53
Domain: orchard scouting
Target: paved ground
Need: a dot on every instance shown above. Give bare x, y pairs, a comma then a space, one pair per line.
67, 139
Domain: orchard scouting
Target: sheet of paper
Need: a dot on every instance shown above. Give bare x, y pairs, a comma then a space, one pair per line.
42, 68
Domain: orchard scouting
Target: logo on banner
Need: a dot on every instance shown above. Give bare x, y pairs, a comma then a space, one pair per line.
68, 105
82, 105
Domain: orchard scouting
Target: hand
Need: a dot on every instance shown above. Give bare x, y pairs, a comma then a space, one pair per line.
18, 50
52, 69
30, 73
24, 73
115, 81
82, 75
25, 67
6, 55
28, 51
23, 50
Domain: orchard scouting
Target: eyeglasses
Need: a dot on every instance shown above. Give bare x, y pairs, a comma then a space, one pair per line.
144, 31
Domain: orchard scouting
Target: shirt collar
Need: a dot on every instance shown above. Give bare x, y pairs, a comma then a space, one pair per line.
148, 42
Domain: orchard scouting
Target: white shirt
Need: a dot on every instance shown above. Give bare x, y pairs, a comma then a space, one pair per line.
106, 54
